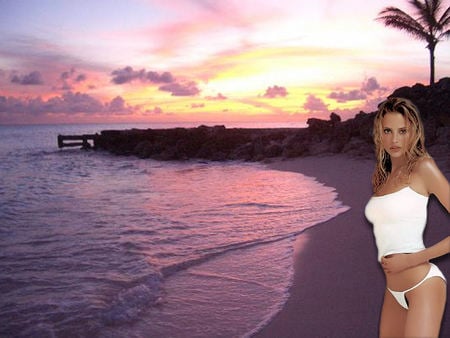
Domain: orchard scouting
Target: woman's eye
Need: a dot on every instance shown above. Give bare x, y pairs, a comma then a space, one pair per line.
386, 131
403, 131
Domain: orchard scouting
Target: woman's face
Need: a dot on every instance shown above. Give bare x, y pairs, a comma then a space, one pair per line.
395, 134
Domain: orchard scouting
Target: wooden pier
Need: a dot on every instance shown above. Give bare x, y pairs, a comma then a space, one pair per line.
77, 141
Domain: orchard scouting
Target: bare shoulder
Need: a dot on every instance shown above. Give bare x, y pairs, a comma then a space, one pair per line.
431, 180
426, 166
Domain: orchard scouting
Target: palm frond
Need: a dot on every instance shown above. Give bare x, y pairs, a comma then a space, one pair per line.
444, 20
394, 17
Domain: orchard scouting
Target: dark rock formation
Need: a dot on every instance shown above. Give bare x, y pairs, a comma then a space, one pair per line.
217, 143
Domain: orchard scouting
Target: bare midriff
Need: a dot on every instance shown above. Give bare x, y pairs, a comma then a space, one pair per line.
403, 280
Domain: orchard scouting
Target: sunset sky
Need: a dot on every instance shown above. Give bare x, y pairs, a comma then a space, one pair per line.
211, 61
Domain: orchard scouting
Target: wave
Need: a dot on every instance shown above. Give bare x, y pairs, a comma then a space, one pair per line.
213, 253
127, 306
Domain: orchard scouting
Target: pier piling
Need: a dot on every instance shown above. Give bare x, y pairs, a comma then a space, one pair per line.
78, 141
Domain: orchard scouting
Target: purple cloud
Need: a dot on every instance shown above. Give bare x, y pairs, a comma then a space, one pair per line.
69, 102
371, 85
67, 78
33, 78
80, 78
181, 89
368, 87
165, 77
272, 92
128, 74
352, 95
168, 81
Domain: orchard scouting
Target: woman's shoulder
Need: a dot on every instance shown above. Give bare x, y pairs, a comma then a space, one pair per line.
427, 176
425, 165
423, 175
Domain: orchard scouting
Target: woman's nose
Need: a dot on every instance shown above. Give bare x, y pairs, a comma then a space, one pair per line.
395, 137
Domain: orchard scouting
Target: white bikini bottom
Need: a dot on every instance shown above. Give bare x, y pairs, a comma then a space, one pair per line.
400, 296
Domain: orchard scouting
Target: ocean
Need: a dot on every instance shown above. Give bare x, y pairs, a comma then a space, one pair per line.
97, 245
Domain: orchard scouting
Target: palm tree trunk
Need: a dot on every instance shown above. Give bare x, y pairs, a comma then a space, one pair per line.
431, 48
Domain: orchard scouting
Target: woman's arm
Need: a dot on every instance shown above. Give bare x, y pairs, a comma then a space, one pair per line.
400, 262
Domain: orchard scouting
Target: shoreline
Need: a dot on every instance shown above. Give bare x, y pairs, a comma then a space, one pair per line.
338, 286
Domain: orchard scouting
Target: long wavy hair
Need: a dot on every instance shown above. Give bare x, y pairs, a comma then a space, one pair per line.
416, 148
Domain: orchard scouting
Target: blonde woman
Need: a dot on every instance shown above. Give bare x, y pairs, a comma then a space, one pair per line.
404, 178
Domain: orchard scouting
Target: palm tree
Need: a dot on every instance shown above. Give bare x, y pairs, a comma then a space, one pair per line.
427, 26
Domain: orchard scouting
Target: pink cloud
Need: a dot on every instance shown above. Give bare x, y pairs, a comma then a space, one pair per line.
272, 92
197, 105
155, 111
314, 104
218, 97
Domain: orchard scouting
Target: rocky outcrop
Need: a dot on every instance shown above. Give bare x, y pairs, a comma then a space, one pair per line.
217, 143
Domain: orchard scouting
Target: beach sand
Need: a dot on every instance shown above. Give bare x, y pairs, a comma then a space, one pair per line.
338, 284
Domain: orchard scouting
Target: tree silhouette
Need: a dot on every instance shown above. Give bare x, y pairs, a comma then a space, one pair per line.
429, 25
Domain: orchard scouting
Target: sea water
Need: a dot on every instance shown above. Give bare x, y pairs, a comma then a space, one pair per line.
96, 245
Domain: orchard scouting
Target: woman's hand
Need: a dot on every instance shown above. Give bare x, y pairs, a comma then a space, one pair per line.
397, 263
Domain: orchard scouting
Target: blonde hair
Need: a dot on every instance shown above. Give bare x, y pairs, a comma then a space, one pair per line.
416, 148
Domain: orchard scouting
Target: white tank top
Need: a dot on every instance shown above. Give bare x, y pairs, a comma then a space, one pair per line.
398, 220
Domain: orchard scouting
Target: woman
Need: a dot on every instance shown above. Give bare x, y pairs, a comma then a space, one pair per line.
405, 175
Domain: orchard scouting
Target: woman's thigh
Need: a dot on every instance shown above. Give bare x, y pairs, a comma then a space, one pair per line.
426, 307
393, 317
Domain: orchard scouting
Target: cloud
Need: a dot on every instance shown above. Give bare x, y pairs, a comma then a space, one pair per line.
314, 104
272, 92
181, 89
197, 105
70, 75
368, 87
66, 75
117, 105
125, 75
218, 97
128, 74
170, 84
165, 77
352, 95
371, 85
68, 78
33, 78
80, 78
155, 111
68, 103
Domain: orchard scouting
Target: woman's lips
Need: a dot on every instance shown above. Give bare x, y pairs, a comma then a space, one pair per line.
395, 148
